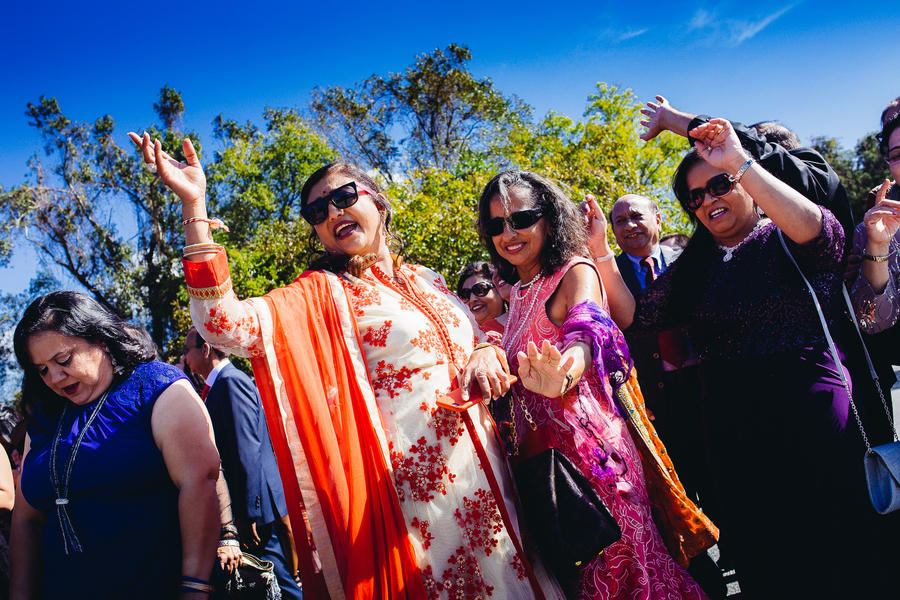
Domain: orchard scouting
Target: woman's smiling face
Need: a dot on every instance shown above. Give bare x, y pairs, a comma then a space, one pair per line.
521, 247
487, 307
351, 231
729, 217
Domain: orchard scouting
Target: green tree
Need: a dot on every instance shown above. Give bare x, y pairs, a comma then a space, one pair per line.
254, 184
99, 216
425, 118
860, 170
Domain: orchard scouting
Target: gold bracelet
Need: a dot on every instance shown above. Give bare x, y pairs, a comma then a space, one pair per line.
878, 258
483, 345
569, 382
200, 249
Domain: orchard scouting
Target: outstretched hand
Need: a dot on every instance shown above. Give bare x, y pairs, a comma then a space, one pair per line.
656, 114
186, 180
718, 145
544, 372
490, 369
882, 220
595, 222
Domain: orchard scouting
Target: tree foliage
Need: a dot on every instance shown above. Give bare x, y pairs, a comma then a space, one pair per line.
860, 170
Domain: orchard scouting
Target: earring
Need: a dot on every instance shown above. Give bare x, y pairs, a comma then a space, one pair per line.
116, 368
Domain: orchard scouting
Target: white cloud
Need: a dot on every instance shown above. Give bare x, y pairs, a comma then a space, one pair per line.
743, 30
632, 34
732, 32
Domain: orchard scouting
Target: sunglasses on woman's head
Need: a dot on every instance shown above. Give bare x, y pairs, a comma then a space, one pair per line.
480, 289
343, 197
522, 219
718, 186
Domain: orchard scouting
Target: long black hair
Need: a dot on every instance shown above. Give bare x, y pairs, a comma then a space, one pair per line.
75, 315
321, 259
566, 234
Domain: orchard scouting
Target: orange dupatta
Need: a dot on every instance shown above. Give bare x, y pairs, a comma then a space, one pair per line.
354, 487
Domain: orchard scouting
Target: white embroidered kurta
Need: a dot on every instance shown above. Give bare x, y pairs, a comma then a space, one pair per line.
407, 342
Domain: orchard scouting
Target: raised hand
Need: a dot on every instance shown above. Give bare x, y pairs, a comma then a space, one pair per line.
544, 372
656, 115
883, 219
595, 222
186, 180
718, 145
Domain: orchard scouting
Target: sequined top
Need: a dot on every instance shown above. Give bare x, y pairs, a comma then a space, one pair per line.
756, 303
876, 312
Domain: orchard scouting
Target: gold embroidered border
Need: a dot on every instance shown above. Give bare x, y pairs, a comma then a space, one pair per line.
210, 293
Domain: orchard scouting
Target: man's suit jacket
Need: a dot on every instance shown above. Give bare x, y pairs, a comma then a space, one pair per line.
645, 348
245, 448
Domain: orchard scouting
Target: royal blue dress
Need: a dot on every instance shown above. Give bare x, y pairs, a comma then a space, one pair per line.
122, 502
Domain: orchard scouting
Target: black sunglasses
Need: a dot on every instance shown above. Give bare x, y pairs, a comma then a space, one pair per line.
718, 186
343, 197
480, 289
522, 219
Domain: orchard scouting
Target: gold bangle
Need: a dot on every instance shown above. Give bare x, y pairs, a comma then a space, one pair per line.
483, 345
200, 249
569, 382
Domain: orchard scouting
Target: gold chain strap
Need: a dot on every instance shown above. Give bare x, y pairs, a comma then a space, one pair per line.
512, 417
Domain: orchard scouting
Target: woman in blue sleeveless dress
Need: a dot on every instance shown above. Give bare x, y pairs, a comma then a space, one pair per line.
117, 496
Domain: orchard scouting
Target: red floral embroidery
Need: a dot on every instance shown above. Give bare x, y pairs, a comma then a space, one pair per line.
422, 526
378, 337
432, 587
429, 340
423, 470
444, 422
482, 521
361, 295
440, 285
218, 320
518, 567
445, 310
388, 378
463, 580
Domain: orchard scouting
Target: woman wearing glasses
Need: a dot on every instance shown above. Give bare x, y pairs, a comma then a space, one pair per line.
875, 292
477, 289
403, 499
567, 351
784, 448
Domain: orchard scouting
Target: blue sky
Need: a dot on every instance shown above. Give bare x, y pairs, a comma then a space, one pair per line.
823, 68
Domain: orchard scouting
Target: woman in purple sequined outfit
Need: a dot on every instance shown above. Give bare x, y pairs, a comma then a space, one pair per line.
786, 454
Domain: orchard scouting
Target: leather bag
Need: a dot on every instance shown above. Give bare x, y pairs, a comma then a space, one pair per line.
253, 580
566, 516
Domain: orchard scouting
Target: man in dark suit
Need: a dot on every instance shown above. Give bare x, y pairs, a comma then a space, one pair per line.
248, 461
666, 367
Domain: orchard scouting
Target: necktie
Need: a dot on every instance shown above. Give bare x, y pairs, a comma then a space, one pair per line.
672, 344
204, 393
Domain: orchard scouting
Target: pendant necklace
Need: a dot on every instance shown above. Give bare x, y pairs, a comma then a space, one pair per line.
62, 491
729, 252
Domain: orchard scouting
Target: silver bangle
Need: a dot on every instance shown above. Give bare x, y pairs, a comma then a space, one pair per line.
223, 543
603, 259
737, 176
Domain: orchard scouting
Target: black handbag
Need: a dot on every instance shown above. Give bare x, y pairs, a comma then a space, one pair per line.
563, 511
253, 580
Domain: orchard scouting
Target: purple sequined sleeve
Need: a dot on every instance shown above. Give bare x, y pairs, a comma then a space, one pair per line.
589, 323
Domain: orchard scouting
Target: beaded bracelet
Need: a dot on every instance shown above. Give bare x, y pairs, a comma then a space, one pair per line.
214, 223
603, 259
223, 543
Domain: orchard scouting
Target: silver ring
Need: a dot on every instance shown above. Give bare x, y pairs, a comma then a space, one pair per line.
151, 167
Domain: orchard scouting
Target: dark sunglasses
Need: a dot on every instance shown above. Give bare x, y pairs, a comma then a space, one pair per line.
343, 197
522, 219
718, 186
480, 289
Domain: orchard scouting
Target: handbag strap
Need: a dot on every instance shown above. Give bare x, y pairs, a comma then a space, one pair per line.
834, 354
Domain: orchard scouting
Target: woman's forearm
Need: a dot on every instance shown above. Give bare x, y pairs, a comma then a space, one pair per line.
198, 511
26, 564
876, 273
794, 214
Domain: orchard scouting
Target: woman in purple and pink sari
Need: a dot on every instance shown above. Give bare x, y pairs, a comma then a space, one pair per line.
572, 361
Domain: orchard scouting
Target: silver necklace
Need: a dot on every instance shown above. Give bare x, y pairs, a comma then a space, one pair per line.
729, 252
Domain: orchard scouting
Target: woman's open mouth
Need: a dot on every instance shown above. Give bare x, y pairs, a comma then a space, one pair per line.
70, 389
344, 229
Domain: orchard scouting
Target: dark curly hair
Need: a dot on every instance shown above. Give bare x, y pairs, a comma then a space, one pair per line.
321, 259
890, 120
75, 315
566, 234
